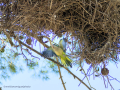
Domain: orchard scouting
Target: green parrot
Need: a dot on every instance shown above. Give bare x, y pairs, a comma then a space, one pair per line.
59, 51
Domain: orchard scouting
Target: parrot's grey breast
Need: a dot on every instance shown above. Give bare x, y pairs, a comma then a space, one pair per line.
58, 51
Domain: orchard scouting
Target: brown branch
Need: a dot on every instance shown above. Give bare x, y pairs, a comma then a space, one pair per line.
110, 84
77, 77
51, 4
61, 75
55, 63
40, 53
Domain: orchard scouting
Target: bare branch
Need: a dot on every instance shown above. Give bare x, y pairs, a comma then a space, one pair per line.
55, 63
8, 36
61, 75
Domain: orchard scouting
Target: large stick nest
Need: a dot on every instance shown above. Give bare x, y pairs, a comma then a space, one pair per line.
95, 24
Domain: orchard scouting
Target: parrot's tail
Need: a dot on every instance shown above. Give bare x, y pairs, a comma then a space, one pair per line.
69, 62
66, 61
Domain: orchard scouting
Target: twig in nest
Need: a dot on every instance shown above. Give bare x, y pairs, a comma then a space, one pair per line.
8, 36
51, 4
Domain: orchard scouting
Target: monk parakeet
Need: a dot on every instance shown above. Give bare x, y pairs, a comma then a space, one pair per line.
58, 50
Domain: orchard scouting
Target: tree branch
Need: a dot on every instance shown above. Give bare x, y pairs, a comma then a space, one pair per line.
55, 63
77, 78
61, 75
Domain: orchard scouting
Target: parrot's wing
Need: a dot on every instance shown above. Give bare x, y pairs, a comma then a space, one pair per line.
62, 44
48, 53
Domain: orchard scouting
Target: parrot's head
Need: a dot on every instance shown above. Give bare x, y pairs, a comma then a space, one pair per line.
62, 41
62, 44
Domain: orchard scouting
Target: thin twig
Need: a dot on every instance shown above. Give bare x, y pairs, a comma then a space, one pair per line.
51, 4
77, 77
61, 75
56, 63
8, 36
110, 83
40, 53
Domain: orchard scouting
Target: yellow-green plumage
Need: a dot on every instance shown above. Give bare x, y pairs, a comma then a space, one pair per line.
64, 59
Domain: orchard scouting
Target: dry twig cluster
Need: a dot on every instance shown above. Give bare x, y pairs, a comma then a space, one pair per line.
94, 24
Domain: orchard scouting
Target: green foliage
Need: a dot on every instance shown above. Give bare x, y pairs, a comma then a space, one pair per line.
2, 68
53, 67
4, 75
21, 69
45, 78
2, 49
7, 55
43, 72
16, 54
12, 67
31, 65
